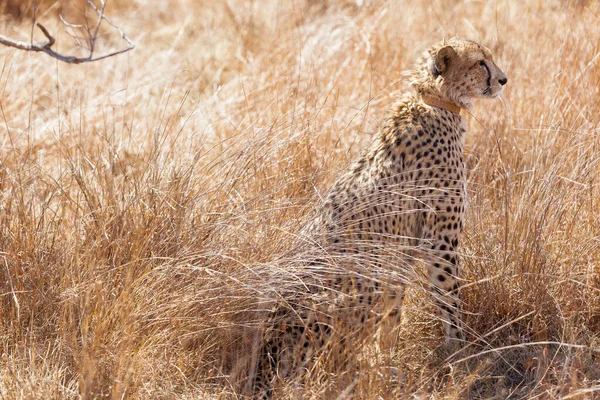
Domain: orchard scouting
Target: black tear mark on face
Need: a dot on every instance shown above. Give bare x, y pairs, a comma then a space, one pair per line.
489, 74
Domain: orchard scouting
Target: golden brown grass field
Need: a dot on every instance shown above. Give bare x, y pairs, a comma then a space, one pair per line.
145, 199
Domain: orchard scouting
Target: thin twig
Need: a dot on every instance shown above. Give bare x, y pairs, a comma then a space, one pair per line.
98, 23
104, 17
70, 24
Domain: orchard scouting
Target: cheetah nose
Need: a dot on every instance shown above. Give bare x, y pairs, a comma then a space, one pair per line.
503, 81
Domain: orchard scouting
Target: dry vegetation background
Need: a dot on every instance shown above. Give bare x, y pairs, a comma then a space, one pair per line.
143, 198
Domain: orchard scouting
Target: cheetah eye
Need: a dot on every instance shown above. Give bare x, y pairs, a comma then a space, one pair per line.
482, 63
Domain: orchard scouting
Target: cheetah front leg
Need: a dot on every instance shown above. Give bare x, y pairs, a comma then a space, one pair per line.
441, 234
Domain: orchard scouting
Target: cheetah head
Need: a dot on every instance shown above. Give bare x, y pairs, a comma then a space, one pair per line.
458, 70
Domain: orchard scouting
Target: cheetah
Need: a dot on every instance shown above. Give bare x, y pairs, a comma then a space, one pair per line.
401, 202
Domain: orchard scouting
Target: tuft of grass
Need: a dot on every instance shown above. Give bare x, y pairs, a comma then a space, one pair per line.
146, 201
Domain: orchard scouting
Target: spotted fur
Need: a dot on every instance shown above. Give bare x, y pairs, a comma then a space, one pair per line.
403, 200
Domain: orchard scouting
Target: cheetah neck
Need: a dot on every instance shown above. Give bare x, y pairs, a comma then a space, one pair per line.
440, 103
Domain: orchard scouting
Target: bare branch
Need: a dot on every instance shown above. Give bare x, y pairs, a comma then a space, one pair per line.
45, 47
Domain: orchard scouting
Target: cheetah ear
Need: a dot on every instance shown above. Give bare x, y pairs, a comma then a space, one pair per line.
440, 62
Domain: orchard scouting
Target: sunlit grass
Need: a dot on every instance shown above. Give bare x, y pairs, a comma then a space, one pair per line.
145, 199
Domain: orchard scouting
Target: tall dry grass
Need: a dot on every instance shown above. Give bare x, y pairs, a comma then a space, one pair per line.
144, 198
